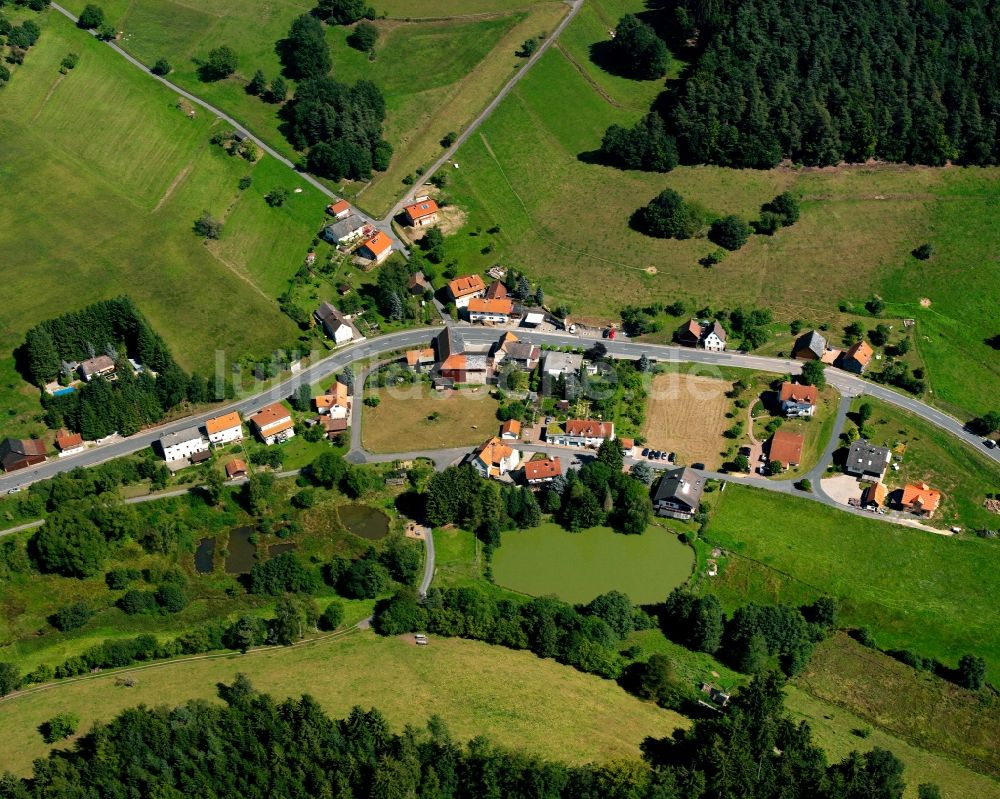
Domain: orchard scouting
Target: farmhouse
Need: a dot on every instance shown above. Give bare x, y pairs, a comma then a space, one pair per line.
224, 429
493, 311
236, 468
335, 403
873, 497
339, 210
183, 445
418, 360
542, 471
417, 285
332, 427
709, 335
335, 324
377, 248
422, 213
867, 460
20, 453
273, 424
510, 430
809, 346
463, 290
101, 366
786, 448
856, 358
678, 495
69, 443
582, 433
348, 229
495, 459
556, 364
921, 499
511, 349
454, 364
797, 400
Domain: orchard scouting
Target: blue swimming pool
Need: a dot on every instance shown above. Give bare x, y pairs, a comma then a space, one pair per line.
64, 391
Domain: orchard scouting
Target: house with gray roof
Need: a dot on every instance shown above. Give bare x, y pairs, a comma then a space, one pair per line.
809, 346
679, 493
344, 231
867, 460
184, 444
556, 364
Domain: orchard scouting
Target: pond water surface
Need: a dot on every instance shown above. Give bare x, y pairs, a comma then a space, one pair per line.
363, 521
204, 556
241, 551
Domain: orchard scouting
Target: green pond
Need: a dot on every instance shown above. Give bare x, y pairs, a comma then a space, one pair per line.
363, 521
576, 567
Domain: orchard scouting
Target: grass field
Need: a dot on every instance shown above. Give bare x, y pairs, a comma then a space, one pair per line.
125, 173
514, 698
816, 431
964, 477
402, 420
686, 414
577, 567
915, 590
936, 715
566, 221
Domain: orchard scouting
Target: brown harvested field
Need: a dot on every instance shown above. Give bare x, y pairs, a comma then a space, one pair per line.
402, 423
686, 414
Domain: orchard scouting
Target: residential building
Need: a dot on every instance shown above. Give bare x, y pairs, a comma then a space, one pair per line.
556, 364
709, 335
921, 499
377, 248
101, 366
335, 403
332, 427
581, 433
798, 400
713, 337
867, 460
422, 213
810, 346
335, 324
678, 495
496, 291
874, 496
454, 364
492, 311
224, 429
628, 446
235, 469
273, 424
417, 285
183, 444
786, 448
20, 453
510, 430
341, 209
495, 459
69, 443
541, 471
466, 288
511, 349
347, 229
418, 360
856, 358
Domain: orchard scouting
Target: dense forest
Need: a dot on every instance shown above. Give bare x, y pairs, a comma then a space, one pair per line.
255, 747
100, 407
827, 81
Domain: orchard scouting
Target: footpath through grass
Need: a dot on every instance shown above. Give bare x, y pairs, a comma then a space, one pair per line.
576, 567
514, 698
915, 590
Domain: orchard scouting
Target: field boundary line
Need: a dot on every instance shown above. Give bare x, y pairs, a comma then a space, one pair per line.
48, 95
178, 179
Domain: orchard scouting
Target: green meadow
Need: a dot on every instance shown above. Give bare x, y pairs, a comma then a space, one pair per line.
915, 590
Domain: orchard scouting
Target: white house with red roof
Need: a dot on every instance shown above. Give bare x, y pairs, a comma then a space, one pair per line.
495, 459
581, 433
422, 213
273, 424
466, 288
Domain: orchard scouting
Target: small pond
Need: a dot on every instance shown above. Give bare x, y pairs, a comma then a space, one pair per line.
242, 551
204, 556
277, 549
363, 521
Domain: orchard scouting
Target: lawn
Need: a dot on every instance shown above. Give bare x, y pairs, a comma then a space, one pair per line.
514, 698
686, 414
930, 455
403, 421
936, 715
816, 430
133, 172
915, 590
576, 567
565, 220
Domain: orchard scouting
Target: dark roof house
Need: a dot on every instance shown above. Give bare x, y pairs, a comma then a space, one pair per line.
679, 493
809, 346
867, 460
20, 453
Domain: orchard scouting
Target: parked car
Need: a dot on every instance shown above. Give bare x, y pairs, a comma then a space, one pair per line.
548, 420
697, 465
645, 451
572, 328
672, 457
989, 443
